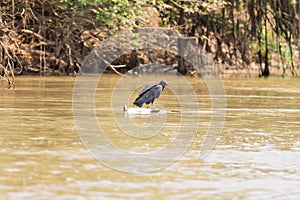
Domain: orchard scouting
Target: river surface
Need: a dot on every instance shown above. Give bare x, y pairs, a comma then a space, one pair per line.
47, 153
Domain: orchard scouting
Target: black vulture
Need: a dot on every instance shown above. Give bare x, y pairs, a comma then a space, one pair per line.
149, 93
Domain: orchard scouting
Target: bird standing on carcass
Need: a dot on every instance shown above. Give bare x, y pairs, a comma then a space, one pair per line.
149, 93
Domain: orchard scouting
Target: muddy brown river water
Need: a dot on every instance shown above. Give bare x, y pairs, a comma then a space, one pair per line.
43, 154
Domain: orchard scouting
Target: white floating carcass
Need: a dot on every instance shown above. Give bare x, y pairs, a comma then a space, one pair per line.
141, 111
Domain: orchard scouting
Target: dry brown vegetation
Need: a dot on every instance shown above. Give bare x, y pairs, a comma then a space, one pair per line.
43, 38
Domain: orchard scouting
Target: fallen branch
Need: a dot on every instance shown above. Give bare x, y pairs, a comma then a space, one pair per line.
118, 66
108, 64
10, 81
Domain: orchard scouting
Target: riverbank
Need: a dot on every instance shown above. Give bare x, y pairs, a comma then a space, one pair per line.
54, 38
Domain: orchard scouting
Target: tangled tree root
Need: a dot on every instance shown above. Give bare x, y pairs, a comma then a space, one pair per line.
43, 37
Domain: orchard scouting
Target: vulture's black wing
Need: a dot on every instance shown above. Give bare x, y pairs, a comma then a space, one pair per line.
148, 94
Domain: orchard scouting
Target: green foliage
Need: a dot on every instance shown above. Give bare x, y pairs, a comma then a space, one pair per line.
273, 43
111, 13
169, 9
286, 55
